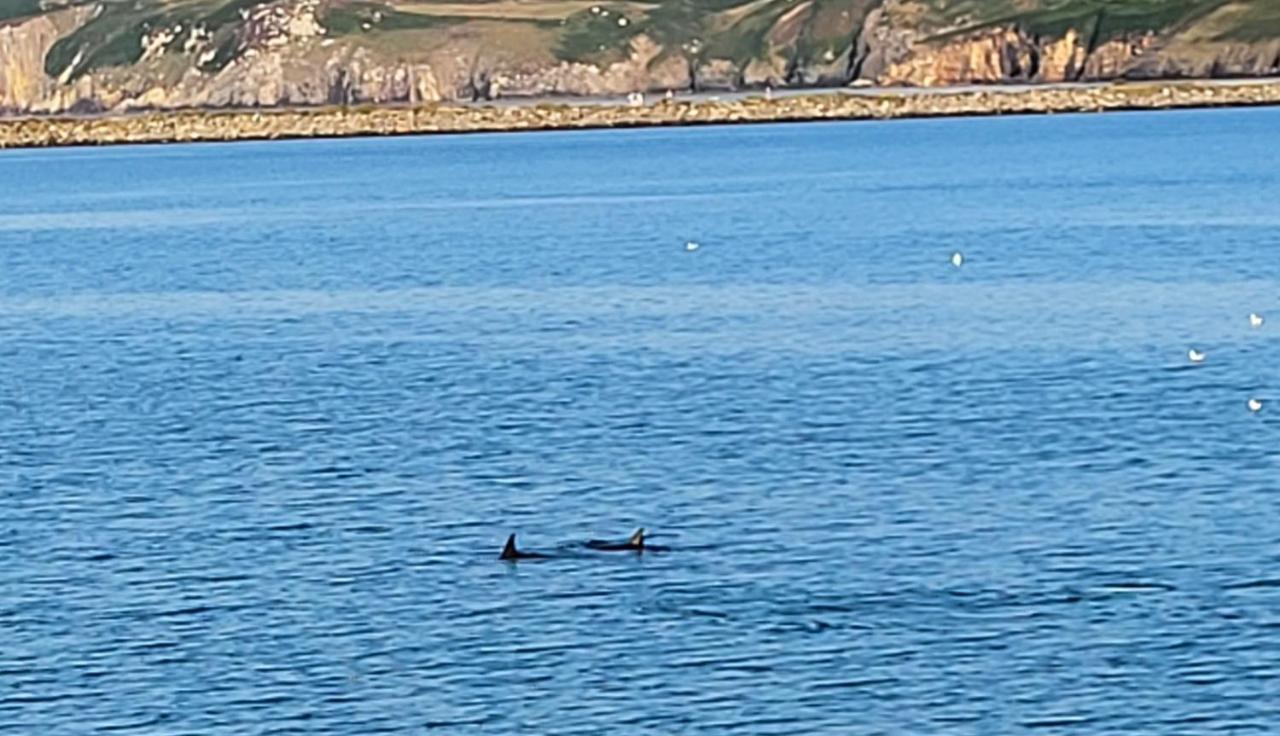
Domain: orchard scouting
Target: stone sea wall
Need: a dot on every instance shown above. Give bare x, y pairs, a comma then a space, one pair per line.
162, 127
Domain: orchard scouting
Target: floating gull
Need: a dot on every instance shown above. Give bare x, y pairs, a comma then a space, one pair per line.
1195, 356
691, 246
957, 259
1255, 320
1255, 405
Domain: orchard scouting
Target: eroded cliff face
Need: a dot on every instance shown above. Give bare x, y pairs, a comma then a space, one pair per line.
899, 56
1001, 55
899, 49
277, 53
23, 46
645, 68
279, 56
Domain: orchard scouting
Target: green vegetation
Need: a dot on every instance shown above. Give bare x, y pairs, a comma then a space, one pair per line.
19, 9
224, 13
600, 34
1103, 20
1109, 19
360, 17
747, 38
1257, 22
678, 23
833, 26
114, 37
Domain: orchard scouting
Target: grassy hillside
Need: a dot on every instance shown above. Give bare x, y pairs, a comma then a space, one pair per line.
114, 37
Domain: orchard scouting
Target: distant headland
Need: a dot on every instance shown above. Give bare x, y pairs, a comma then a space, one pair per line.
61, 57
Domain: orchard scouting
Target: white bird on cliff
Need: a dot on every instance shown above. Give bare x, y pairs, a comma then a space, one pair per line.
1255, 320
1195, 356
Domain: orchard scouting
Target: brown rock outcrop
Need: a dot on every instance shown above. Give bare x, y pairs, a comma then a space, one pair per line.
1006, 55
1063, 59
645, 69
1116, 57
23, 46
894, 50
1206, 60
717, 75
991, 56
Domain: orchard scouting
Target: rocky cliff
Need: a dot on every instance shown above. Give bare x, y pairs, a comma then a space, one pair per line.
119, 55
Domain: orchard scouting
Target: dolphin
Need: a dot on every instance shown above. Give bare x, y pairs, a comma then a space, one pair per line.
633, 544
511, 554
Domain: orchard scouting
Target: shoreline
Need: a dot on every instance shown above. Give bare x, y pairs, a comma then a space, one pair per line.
707, 109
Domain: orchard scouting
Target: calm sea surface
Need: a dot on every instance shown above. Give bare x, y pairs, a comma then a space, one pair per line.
268, 412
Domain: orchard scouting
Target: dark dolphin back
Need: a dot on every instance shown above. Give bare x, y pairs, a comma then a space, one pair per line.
509, 552
635, 543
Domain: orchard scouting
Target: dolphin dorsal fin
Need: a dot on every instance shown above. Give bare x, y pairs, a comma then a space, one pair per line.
509, 552
637, 539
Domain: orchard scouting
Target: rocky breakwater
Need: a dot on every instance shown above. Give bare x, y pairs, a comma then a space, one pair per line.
439, 118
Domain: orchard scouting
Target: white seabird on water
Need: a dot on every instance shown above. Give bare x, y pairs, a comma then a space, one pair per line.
957, 259
1195, 356
1255, 320
1255, 405
691, 246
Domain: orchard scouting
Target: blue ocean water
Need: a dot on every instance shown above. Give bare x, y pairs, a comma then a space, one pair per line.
269, 410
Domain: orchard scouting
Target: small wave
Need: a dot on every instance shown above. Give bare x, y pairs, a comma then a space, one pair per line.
1136, 587
1254, 584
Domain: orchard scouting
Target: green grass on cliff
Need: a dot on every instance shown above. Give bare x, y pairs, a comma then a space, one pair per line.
1250, 24
594, 34
114, 36
10, 9
1108, 20
350, 18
